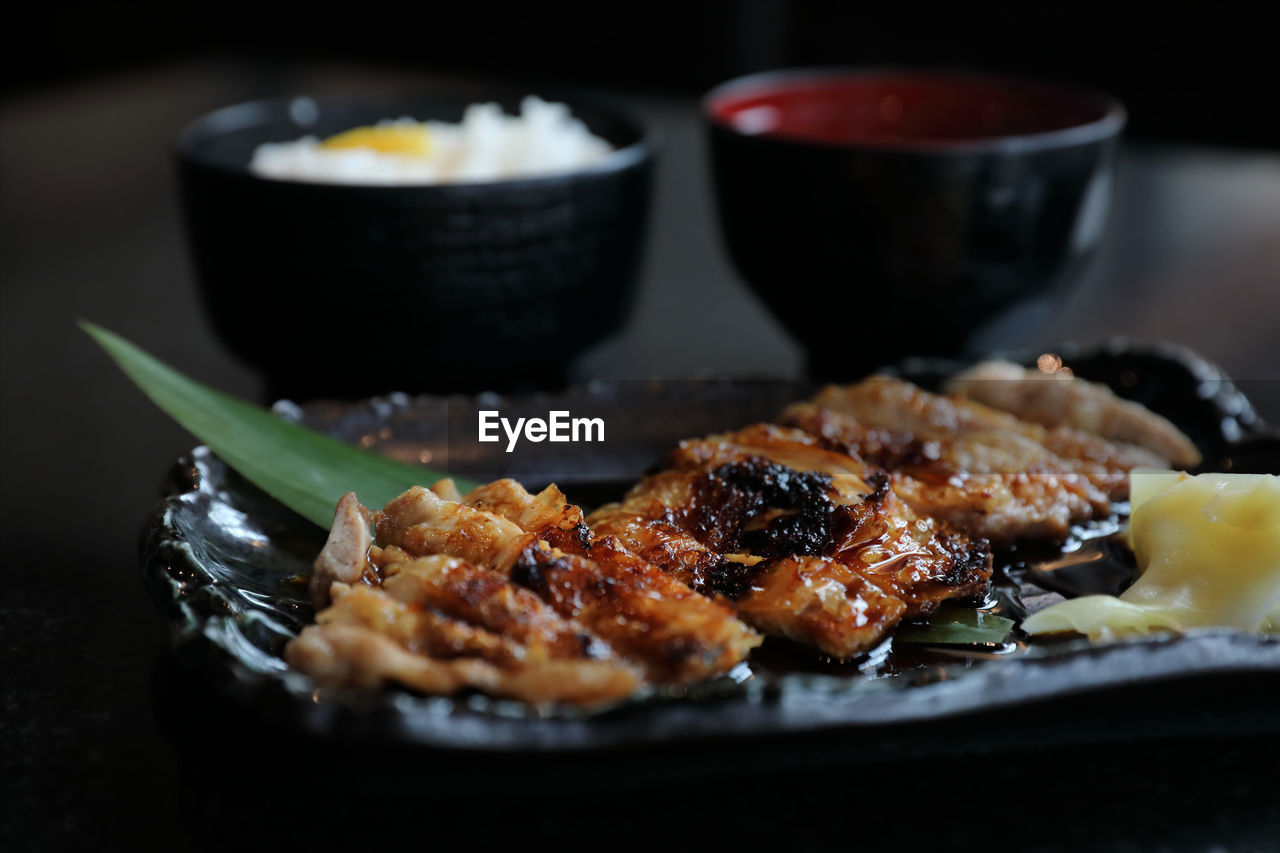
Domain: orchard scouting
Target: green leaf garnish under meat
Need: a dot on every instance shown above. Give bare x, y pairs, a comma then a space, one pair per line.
955, 625
304, 470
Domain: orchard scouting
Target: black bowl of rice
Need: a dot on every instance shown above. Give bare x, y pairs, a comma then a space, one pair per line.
349, 246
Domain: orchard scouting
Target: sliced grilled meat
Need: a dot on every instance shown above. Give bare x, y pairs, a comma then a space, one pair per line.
984, 471
456, 597
1055, 400
641, 611
810, 543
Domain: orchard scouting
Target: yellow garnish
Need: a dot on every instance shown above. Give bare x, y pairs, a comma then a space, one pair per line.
408, 139
1208, 548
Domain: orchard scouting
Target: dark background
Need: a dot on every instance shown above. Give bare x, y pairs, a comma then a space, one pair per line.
92, 706
1203, 73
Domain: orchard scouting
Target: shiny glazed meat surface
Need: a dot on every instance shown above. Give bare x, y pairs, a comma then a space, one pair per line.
455, 596
984, 471
809, 543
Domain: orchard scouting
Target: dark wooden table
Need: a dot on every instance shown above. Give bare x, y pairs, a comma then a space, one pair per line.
88, 228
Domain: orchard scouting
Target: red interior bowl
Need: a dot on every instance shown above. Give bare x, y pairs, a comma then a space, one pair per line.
906, 109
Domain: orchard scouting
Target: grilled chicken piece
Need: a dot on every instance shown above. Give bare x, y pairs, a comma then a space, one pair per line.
484, 598
341, 654
809, 543
421, 523
820, 602
548, 514
371, 636
1056, 400
641, 611
447, 489
352, 656
343, 556
673, 633
984, 471
455, 596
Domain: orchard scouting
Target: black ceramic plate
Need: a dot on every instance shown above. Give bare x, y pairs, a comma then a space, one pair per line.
222, 560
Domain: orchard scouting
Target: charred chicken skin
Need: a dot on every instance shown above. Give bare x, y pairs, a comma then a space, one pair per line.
455, 596
809, 543
984, 471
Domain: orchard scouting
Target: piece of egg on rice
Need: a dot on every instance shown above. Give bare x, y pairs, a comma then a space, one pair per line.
405, 138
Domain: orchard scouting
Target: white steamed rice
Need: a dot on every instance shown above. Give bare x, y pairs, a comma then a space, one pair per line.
486, 146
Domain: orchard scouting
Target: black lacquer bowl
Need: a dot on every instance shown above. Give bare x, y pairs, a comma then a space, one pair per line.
910, 206
222, 560
349, 290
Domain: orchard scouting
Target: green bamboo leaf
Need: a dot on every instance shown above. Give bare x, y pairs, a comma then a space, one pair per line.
953, 625
304, 470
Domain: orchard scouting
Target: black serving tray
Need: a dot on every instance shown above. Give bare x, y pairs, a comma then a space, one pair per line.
222, 560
